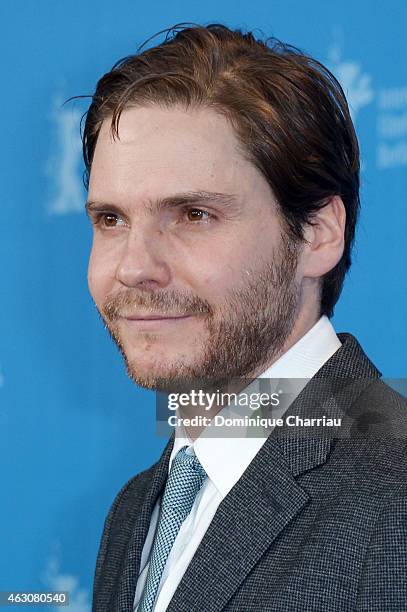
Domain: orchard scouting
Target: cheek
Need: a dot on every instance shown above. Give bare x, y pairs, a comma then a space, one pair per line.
227, 271
213, 281
101, 274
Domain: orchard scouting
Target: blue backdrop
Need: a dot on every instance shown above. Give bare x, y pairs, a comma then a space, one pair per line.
73, 428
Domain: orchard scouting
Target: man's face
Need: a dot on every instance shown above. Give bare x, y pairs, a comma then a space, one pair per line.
186, 229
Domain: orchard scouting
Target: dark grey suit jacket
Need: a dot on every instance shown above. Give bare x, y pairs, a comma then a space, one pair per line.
314, 524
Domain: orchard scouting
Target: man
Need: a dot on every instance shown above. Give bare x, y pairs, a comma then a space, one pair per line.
224, 194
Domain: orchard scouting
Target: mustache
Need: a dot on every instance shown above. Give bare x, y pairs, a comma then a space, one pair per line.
130, 301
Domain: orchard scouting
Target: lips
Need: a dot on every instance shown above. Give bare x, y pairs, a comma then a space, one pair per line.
149, 317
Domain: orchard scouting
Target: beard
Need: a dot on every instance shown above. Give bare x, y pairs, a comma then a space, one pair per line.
245, 333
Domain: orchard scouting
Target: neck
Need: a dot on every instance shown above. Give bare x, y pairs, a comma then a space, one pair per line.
304, 322
306, 319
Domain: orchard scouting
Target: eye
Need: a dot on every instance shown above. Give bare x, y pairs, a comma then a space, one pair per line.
109, 220
194, 215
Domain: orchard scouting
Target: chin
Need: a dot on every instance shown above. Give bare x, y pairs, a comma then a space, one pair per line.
158, 381
153, 374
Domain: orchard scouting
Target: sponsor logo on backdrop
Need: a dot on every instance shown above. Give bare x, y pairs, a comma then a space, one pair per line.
392, 127
390, 106
64, 167
356, 83
79, 598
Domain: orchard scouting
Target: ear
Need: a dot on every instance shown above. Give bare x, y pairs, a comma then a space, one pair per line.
325, 238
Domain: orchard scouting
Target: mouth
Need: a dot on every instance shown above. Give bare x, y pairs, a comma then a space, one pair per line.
146, 322
153, 317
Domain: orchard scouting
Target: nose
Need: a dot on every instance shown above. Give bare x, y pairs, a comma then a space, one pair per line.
142, 262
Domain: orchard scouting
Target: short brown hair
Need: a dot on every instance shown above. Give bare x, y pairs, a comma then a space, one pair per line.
287, 109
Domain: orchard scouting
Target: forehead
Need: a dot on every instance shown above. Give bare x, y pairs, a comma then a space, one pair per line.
162, 150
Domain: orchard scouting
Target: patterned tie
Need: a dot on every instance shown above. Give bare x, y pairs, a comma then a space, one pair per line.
183, 483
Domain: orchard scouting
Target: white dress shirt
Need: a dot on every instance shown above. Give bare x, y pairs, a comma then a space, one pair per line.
225, 459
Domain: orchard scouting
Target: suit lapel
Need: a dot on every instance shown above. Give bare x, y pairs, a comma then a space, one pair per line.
248, 520
268, 497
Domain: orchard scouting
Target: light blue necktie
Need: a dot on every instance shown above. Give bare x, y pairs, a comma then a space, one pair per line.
184, 481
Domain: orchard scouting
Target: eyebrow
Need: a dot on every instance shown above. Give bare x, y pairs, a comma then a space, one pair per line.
226, 200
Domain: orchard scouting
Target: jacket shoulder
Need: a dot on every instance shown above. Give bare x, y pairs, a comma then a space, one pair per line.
128, 490
115, 534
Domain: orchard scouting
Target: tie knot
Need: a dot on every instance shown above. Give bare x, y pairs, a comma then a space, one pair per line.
188, 462
184, 481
